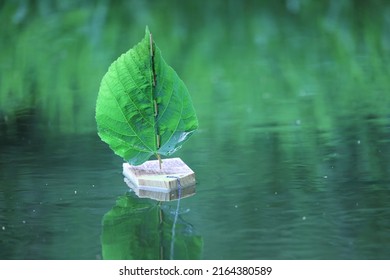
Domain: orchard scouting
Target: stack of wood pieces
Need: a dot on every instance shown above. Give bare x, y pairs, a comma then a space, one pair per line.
148, 180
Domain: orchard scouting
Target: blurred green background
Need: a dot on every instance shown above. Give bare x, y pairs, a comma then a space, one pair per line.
293, 98
298, 59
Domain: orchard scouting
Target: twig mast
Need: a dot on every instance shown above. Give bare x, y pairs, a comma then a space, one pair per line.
154, 81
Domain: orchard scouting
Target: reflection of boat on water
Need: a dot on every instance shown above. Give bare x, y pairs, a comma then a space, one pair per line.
142, 229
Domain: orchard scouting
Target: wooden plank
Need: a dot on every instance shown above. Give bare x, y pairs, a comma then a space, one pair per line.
148, 180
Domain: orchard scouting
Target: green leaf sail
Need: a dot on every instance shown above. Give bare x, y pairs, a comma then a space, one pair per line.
143, 108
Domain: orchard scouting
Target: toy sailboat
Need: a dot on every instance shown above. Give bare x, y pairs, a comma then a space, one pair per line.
143, 109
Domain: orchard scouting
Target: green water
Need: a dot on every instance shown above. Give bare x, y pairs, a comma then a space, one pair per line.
292, 157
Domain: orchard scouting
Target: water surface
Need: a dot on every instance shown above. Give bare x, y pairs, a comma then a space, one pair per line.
287, 194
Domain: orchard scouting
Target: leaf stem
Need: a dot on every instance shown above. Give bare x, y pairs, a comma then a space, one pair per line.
152, 57
159, 161
155, 105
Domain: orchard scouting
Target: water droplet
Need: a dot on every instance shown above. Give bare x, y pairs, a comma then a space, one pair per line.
236, 206
303, 218
33, 210
276, 192
75, 192
3, 227
325, 177
358, 142
23, 221
93, 186
298, 122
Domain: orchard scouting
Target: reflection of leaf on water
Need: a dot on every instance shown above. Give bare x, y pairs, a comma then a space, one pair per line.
139, 229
